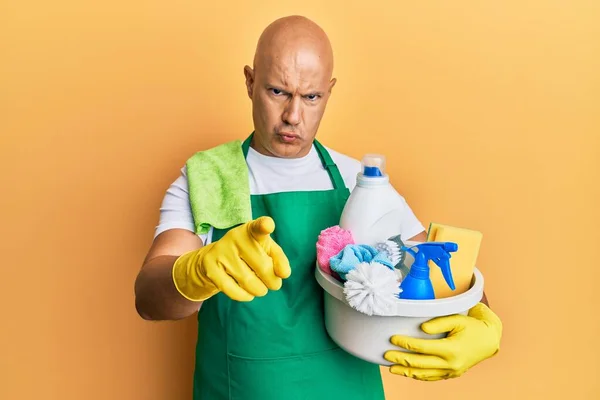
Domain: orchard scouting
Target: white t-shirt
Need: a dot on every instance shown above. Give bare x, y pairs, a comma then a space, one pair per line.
272, 175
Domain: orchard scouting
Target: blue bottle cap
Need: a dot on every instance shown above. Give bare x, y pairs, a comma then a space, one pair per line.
373, 165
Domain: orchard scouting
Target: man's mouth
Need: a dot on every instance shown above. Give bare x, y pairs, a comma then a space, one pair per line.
288, 137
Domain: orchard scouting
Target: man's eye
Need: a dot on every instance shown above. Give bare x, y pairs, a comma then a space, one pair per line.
276, 92
312, 97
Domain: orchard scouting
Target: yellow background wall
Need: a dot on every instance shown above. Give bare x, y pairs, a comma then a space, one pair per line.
488, 112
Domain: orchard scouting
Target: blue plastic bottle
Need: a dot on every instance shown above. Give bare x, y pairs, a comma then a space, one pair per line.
417, 285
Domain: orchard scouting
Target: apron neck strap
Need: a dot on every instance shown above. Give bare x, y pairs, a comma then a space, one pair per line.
326, 160
330, 166
246, 144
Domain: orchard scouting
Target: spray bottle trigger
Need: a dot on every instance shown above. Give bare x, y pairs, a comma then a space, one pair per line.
446, 272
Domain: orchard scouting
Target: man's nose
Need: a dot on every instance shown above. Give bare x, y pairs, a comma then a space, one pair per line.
293, 111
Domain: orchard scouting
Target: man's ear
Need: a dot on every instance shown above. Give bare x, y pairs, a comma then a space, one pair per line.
332, 84
249, 74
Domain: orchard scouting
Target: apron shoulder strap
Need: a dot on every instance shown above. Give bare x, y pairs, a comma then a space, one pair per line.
246, 144
328, 164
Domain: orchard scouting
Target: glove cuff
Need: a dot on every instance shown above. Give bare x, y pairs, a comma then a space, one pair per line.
486, 315
189, 282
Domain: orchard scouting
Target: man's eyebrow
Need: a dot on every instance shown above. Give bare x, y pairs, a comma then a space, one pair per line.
308, 93
314, 93
272, 86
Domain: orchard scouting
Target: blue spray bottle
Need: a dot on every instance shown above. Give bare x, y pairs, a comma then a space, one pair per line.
417, 285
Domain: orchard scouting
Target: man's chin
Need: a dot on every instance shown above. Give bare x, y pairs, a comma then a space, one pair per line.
286, 150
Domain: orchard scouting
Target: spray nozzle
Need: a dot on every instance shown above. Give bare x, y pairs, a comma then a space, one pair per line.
439, 253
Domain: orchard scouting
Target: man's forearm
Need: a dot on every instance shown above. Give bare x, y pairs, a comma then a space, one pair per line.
156, 297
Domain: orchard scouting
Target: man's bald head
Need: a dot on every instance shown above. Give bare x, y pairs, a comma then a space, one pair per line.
289, 36
289, 85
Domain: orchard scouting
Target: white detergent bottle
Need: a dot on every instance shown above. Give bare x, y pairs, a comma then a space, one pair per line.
374, 210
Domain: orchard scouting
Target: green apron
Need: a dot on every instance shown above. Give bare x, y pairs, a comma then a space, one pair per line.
276, 347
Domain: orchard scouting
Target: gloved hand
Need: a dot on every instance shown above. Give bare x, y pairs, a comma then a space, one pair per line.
471, 339
244, 263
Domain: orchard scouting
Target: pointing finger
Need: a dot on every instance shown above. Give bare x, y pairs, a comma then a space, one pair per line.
260, 228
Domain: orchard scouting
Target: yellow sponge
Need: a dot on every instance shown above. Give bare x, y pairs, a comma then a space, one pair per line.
462, 262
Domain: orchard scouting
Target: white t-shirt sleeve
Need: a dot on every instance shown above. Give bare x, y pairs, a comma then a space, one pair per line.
175, 210
411, 226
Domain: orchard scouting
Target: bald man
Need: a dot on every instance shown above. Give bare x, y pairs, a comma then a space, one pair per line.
261, 334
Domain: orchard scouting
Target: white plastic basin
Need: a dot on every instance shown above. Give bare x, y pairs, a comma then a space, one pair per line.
368, 337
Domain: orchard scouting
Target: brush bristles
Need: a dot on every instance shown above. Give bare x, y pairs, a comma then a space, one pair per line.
392, 249
372, 288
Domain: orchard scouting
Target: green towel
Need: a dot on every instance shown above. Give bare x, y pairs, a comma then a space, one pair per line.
219, 188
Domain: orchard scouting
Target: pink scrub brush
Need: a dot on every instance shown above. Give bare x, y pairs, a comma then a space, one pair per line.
331, 241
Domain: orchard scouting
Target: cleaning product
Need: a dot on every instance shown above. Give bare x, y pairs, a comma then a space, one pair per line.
371, 288
394, 248
330, 242
374, 210
353, 254
393, 253
463, 262
417, 285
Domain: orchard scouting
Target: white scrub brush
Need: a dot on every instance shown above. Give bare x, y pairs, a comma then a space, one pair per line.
372, 288
393, 247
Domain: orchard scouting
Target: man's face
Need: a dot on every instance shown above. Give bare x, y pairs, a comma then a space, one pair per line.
289, 95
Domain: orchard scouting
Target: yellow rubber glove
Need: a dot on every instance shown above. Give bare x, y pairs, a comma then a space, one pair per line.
243, 264
471, 339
